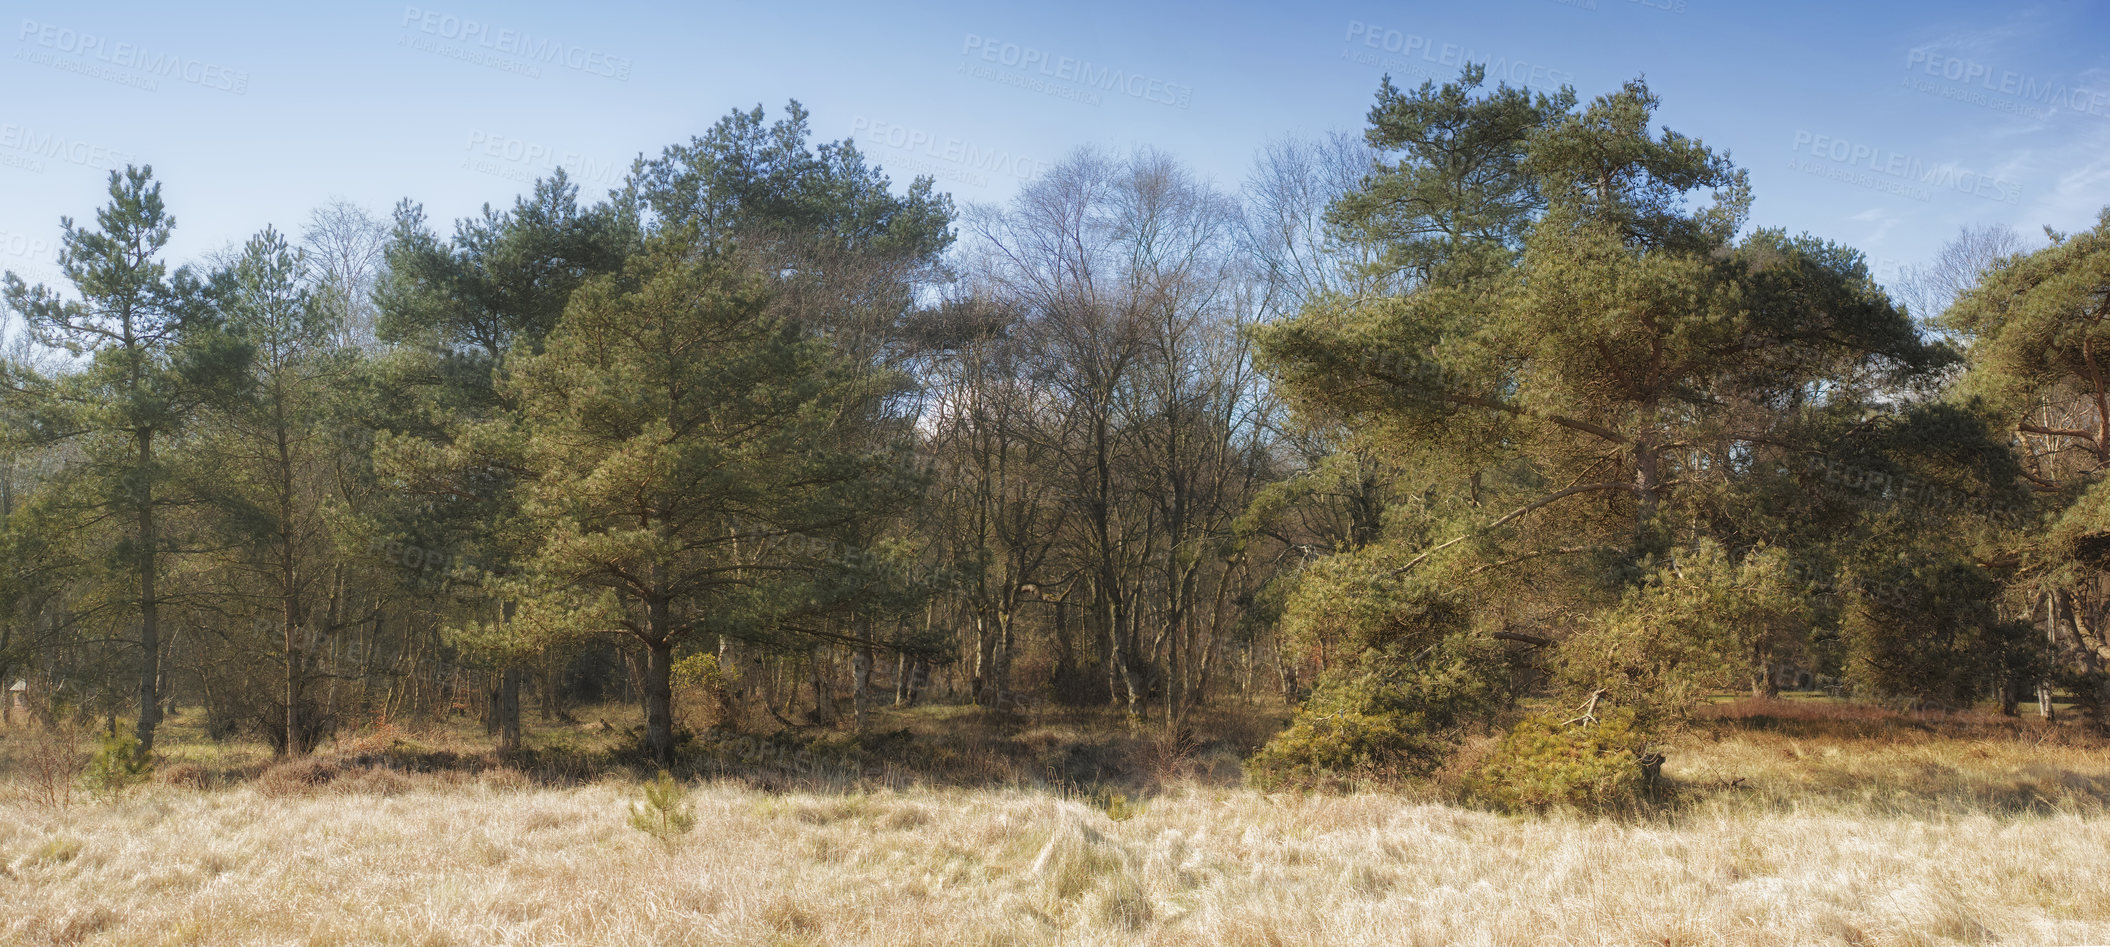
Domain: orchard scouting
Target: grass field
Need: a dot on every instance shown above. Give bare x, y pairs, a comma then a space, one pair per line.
1787, 824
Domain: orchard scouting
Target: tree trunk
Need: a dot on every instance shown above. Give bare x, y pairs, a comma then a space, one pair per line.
1764, 684
546, 690
293, 745
823, 704
985, 643
862, 682
149, 602
659, 699
998, 684
1648, 489
918, 678
1132, 686
507, 709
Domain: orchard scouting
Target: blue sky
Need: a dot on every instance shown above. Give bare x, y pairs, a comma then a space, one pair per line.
1884, 126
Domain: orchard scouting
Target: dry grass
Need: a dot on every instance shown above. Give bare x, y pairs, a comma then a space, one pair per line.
1790, 757
1890, 831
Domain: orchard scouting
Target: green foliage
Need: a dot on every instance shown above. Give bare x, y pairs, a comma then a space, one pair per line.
1545, 762
664, 813
149, 353
1600, 406
746, 451
500, 283
709, 685
2033, 324
687, 451
1605, 164
1333, 738
1386, 717
770, 185
1705, 622
1922, 627
1575, 429
2036, 331
1458, 198
1349, 605
117, 766
700, 672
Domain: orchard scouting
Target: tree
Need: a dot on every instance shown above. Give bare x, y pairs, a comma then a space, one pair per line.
346, 249
994, 435
2037, 327
1127, 279
1462, 196
276, 481
842, 252
1292, 187
39, 564
458, 310
153, 356
675, 430
1585, 408
1928, 290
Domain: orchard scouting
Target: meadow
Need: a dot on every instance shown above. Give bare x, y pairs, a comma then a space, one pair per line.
1782, 823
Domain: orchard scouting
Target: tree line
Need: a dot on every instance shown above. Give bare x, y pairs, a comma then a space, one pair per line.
1503, 403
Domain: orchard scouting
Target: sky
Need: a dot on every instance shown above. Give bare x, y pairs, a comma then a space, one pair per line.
1884, 126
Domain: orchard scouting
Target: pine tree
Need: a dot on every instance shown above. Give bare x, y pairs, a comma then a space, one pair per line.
684, 449
457, 310
152, 354
1593, 407
275, 482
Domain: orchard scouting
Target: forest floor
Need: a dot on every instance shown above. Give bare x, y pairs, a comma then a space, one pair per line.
1786, 823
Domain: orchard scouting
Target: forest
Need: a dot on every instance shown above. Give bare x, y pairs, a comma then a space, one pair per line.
1496, 419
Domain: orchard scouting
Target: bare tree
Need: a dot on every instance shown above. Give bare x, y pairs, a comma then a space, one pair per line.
1928, 289
345, 247
1131, 286
1287, 193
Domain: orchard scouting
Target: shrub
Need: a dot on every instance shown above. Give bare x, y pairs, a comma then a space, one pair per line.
712, 685
664, 814
1343, 743
298, 777
116, 767
1957, 644
186, 775
1545, 762
1702, 622
1391, 718
49, 763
